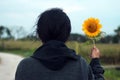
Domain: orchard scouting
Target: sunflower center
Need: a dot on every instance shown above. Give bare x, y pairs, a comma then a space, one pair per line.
92, 28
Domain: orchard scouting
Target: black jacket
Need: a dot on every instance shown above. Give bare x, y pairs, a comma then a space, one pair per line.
54, 61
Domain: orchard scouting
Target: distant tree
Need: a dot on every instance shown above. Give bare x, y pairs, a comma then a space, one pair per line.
5, 30
1, 31
77, 37
117, 36
107, 39
31, 36
118, 31
115, 39
18, 32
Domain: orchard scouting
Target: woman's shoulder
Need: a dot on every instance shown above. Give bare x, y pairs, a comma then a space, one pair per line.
82, 60
83, 63
27, 61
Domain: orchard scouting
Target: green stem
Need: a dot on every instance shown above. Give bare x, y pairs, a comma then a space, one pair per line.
93, 42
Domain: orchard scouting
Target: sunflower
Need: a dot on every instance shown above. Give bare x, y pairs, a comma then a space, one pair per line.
91, 27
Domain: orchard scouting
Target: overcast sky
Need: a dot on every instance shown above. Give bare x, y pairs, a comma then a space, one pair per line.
25, 12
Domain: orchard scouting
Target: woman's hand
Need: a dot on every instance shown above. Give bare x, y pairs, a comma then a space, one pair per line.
95, 53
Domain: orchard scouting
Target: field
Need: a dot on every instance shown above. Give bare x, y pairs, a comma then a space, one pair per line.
110, 53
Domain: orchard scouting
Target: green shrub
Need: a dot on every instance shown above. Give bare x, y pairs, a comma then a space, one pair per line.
112, 74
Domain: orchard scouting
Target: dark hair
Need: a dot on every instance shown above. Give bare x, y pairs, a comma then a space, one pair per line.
53, 24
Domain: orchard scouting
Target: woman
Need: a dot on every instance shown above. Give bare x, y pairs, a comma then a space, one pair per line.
54, 60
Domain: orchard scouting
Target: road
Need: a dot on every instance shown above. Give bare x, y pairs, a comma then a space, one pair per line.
8, 65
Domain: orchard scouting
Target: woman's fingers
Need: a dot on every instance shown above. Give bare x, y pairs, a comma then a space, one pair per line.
95, 53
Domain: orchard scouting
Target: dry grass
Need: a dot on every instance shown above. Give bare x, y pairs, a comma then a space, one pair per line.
23, 45
110, 52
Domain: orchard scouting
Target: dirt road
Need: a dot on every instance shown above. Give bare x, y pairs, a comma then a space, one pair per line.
8, 65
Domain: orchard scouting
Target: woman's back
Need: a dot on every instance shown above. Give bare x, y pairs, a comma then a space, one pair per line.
33, 69
54, 60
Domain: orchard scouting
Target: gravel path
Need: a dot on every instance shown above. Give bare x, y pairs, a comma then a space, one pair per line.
8, 65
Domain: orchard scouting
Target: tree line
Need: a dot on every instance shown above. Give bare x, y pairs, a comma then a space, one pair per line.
18, 33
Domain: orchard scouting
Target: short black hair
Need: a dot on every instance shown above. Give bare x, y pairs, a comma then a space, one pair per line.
53, 24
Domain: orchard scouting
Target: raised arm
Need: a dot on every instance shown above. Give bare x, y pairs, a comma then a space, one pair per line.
95, 66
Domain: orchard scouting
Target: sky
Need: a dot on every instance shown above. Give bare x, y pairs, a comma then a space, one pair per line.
14, 13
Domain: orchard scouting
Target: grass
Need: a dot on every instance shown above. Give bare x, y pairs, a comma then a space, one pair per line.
112, 74
20, 45
22, 48
110, 53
